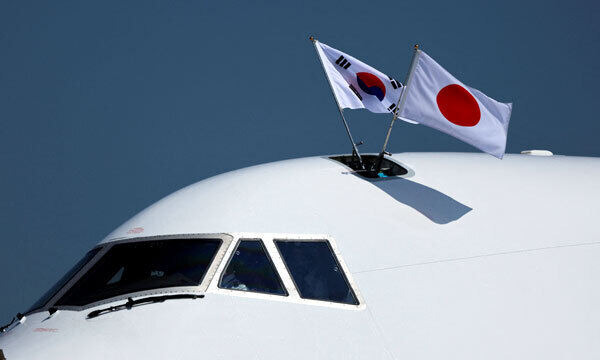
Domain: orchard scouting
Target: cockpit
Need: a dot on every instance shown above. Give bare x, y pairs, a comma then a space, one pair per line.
290, 268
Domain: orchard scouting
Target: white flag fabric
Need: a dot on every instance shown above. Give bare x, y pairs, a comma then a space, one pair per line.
437, 99
357, 85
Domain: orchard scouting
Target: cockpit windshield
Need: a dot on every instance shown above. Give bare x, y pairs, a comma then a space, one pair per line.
63, 281
143, 265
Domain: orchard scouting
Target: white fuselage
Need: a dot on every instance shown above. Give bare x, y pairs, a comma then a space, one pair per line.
465, 257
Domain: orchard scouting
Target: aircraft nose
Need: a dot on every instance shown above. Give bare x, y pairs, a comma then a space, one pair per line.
5, 346
29, 337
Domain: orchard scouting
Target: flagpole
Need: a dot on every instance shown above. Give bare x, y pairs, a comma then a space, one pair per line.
354, 149
399, 107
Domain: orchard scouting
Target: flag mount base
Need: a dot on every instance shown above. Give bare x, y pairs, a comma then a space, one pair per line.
387, 166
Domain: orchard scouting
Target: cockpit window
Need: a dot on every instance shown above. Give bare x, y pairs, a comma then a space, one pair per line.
143, 265
64, 280
251, 269
316, 271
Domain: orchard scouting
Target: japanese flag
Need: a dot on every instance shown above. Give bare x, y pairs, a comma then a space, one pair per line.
355, 84
437, 99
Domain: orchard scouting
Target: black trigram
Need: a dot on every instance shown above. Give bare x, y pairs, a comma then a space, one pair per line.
341, 61
355, 91
392, 108
395, 83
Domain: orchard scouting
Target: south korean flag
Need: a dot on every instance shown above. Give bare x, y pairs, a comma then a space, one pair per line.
357, 85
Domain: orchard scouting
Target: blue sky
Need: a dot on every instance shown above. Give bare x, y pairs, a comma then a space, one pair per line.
105, 107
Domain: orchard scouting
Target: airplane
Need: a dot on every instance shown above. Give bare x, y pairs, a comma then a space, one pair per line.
439, 256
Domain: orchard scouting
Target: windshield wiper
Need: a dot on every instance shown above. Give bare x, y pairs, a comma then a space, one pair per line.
143, 301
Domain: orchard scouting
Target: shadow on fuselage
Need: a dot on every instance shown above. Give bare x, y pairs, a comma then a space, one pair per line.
435, 205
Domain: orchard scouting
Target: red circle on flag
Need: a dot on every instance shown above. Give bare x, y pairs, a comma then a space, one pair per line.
458, 105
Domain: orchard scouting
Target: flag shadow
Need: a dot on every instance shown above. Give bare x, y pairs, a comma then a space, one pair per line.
436, 206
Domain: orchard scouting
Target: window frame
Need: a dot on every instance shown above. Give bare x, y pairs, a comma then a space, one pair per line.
225, 240
336, 258
277, 272
268, 240
212, 278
